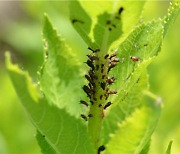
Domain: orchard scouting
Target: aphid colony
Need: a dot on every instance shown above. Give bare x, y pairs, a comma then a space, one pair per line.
101, 81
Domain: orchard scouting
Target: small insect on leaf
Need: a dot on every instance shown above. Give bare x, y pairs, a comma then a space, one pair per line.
107, 105
133, 58
84, 103
120, 10
78, 21
84, 117
101, 148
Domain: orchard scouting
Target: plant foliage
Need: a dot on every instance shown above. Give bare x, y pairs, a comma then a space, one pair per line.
126, 124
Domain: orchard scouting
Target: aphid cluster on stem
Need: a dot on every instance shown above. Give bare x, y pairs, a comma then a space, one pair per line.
97, 89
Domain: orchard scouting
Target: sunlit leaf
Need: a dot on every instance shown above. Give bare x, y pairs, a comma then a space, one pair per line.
64, 133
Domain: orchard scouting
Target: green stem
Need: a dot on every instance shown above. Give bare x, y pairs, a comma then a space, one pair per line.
95, 122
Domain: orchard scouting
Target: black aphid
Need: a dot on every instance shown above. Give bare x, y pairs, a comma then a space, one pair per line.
84, 102
102, 65
120, 10
101, 96
103, 76
103, 85
92, 58
90, 115
91, 49
76, 20
101, 148
88, 77
108, 22
92, 75
100, 105
114, 25
106, 56
110, 28
107, 105
87, 90
97, 50
90, 64
117, 17
97, 67
102, 70
92, 103
84, 117
145, 45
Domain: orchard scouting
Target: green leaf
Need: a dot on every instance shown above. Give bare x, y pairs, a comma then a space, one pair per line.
93, 25
60, 76
80, 20
145, 150
144, 42
129, 77
131, 100
168, 151
63, 132
134, 133
173, 12
45, 147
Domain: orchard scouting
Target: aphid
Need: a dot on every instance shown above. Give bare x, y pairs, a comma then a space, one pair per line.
90, 64
101, 96
110, 80
92, 103
110, 28
46, 53
103, 85
92, 75
97, 50
115, 60
102, 70
76, 20
145, 45
44, 136
84, 117
91, 49
97, 67
100, 105
112, 55
108, 22
92, 58
112, 92
133, 58
106, 56
90, 115
114, 25
102, 65
137, 80
84, 103
88, 77
120, 10
111, 66
103, 76
101, 148
117, 17
107, 105
87, 90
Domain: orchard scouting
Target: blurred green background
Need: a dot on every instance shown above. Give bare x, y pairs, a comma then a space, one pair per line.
20, 33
